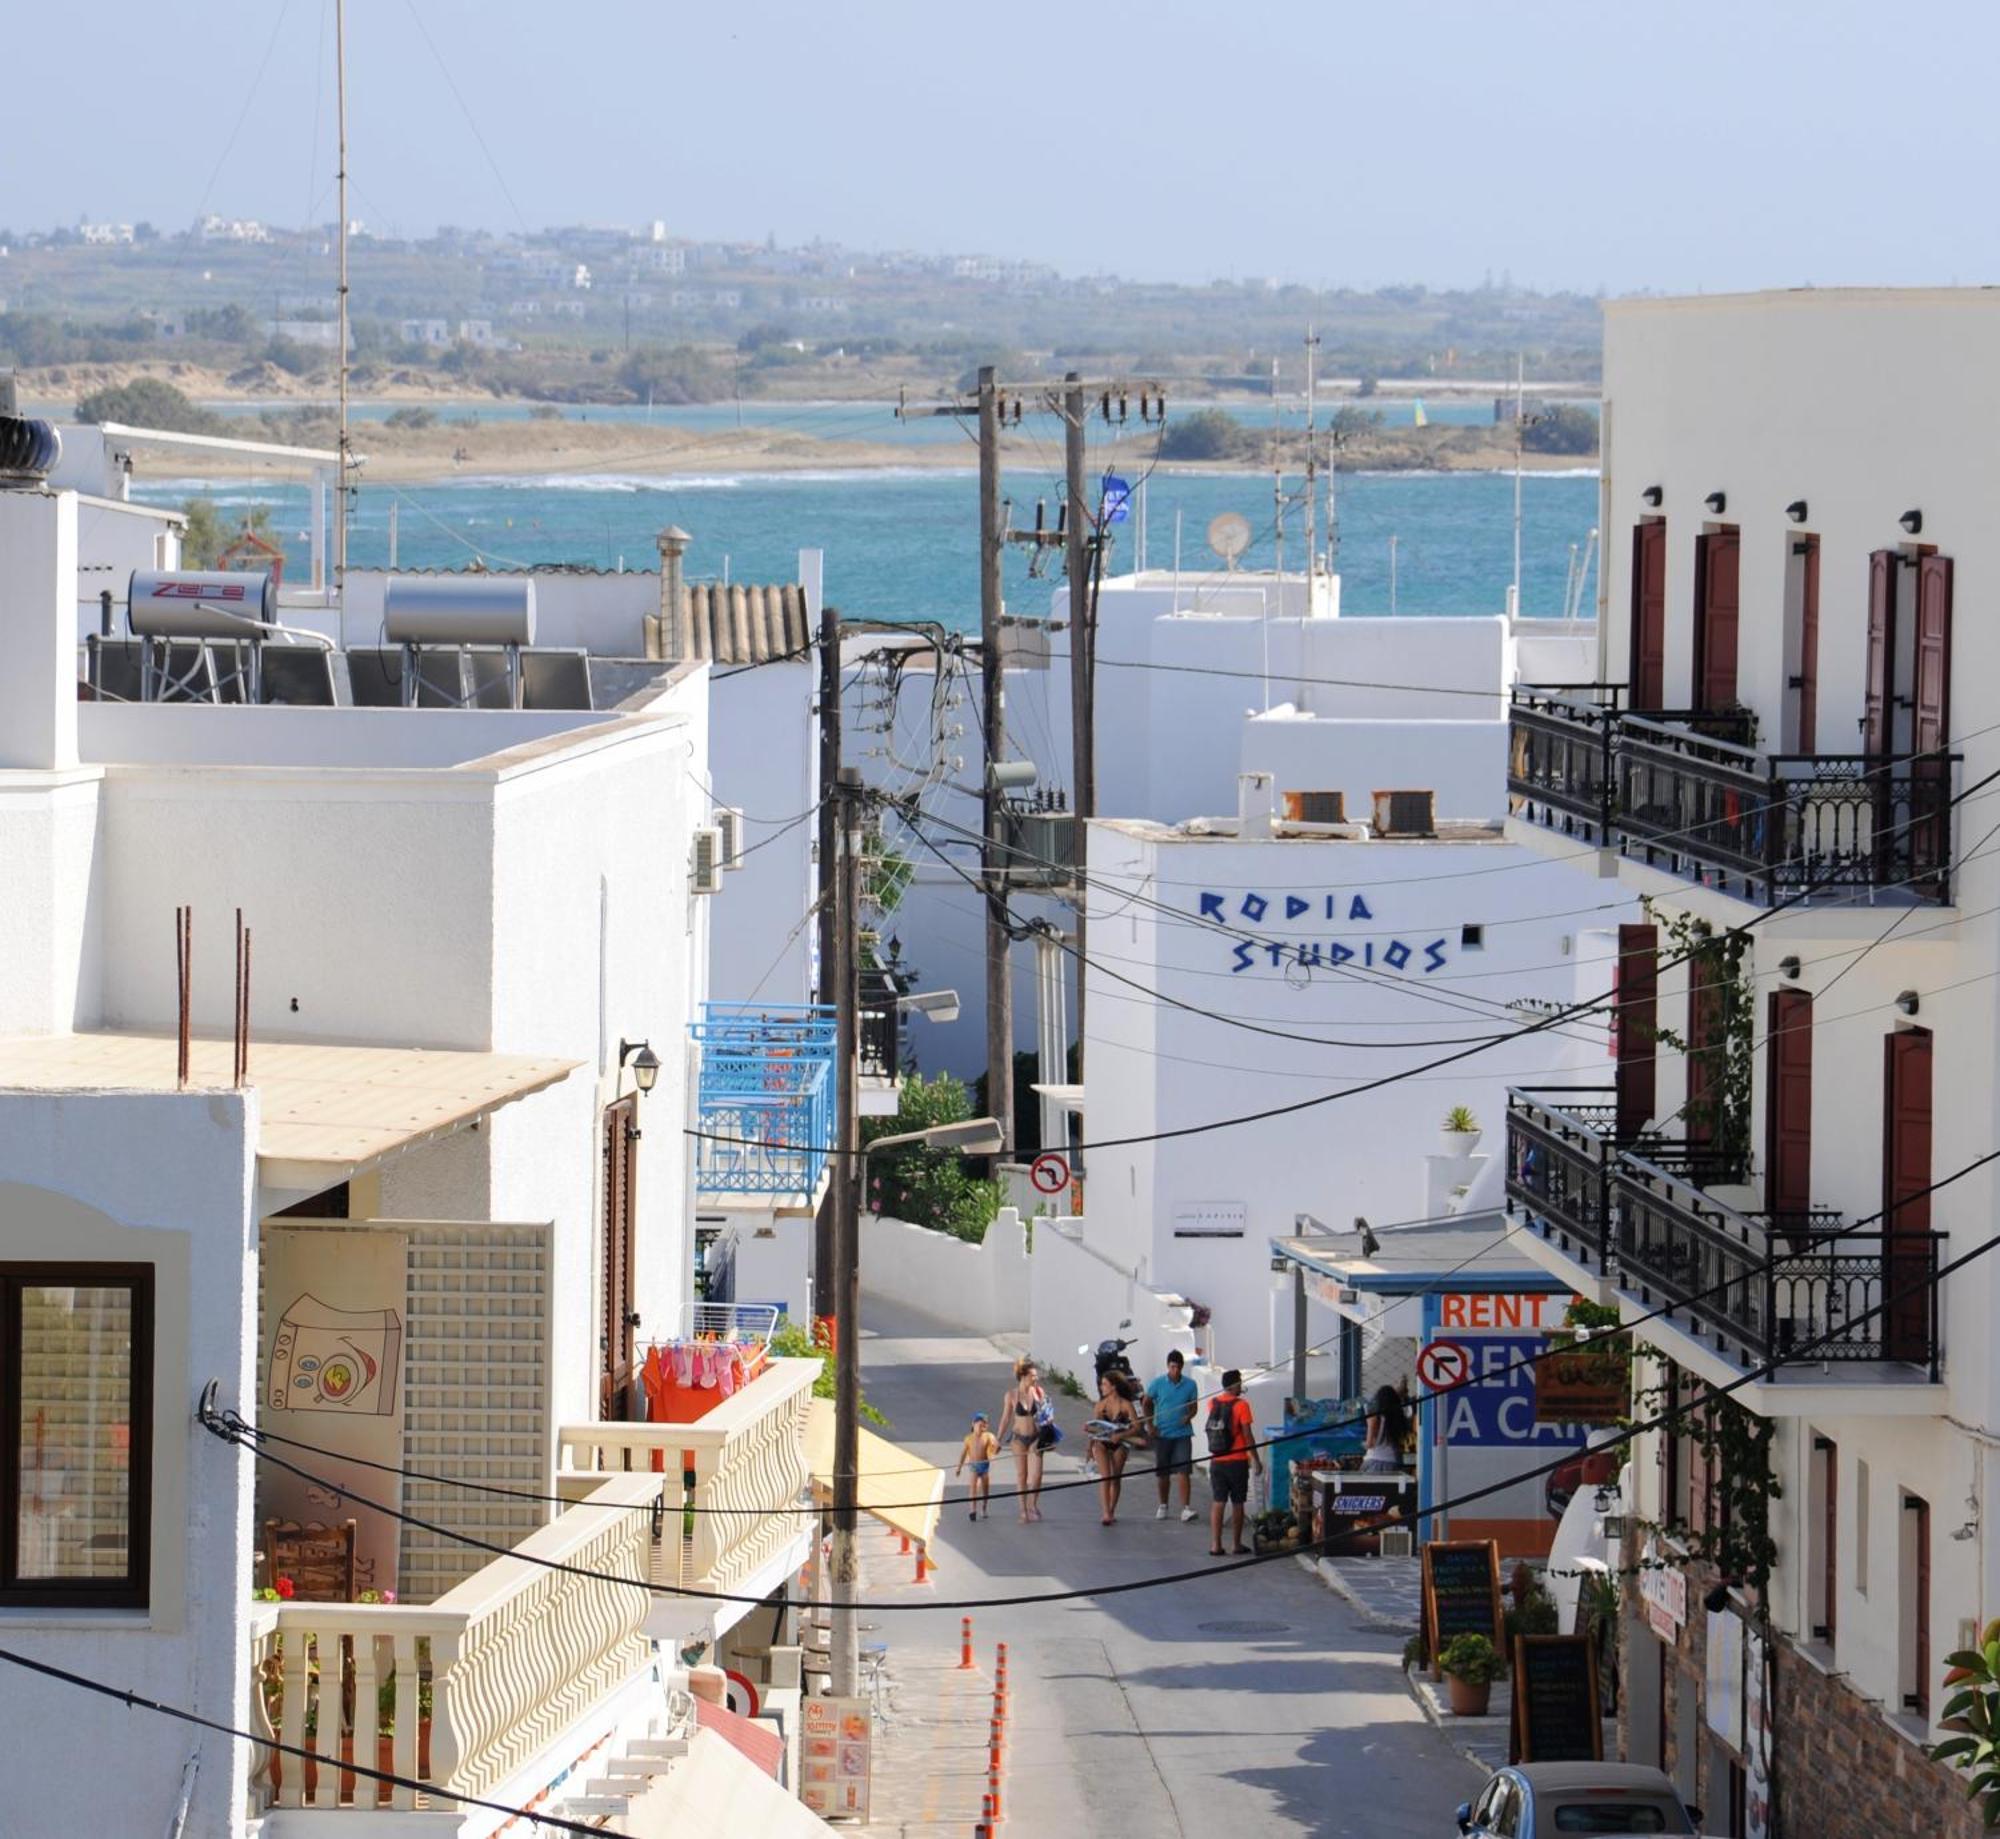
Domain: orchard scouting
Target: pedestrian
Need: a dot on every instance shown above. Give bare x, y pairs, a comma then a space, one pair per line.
1111, 1431
1170, 1402
1028, 1416
1388, 1428
979, 1449
1232, 1452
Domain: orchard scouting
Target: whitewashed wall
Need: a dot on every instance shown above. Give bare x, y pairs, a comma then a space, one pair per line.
983, 1287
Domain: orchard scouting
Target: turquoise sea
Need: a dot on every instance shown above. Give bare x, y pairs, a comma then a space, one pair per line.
902, 543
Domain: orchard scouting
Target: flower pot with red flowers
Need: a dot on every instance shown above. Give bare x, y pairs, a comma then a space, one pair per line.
1470, 1664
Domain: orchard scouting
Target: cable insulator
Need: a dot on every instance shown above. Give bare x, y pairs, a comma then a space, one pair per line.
1121, 410
1104, 405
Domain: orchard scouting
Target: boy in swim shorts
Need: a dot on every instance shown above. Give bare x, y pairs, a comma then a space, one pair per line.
979, 1449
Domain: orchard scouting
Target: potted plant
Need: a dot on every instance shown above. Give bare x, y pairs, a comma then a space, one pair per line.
1470, 1664
1461, 1131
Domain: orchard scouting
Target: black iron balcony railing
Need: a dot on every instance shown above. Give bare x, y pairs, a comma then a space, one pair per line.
1761, 1288
1562, 1152
880, 1037
1683, 789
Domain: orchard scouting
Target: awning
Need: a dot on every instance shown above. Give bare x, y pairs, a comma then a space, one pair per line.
715, 1789
756, 1740
890, 1477
327, 1112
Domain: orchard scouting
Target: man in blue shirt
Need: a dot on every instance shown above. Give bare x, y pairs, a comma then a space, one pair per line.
1170, 1402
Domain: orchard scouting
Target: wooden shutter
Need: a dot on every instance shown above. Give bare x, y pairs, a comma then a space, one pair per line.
1788, 1104
1921, 1509
1649, 615
1704, 1044
621, 1144
1906, 1178
1932, 689
1636, 1023
1718, 573
1829, 1582
1879, 679
1808, 741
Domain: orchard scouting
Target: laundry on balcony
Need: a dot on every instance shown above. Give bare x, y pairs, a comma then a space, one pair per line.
724, 1347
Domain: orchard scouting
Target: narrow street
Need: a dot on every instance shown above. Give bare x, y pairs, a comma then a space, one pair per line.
1247, 1704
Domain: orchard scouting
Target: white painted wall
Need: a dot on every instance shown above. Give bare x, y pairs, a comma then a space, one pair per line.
982, 1288
1081, 1296
176, 1194
1154, 1063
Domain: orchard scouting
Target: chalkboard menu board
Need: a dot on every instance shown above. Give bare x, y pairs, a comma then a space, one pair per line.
1461, 1592
1556, 1716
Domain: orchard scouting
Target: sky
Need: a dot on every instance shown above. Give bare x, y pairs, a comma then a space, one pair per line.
1627, 145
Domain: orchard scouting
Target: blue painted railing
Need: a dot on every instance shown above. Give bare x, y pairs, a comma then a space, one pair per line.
767, 1098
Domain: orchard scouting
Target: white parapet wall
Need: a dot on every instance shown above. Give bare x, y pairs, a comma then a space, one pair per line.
1082, 1295
981, 1287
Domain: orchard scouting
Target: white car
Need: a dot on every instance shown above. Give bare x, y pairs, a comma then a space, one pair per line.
1576, 1800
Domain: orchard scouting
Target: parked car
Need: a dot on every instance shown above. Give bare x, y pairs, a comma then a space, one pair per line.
1576, 1800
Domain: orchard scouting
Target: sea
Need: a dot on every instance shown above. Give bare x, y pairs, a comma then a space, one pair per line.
902, 542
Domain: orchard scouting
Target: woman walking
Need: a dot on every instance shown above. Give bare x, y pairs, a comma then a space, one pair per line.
1111, 1432
1388, 1427
1025, 1412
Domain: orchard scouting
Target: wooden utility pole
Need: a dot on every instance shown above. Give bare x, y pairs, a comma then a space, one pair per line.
343, 444
846, 979
827, 983
993, 695
1077, 559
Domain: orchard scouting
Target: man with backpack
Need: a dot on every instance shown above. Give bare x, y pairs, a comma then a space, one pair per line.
1232, 1450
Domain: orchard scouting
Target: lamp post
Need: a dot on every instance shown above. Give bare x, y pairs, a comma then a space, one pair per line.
980, 1136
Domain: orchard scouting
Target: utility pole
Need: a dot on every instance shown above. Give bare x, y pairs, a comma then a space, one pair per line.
846, 976
1520, 438
824, 1300
1312, 479
1082, 688
992, 684
344, 446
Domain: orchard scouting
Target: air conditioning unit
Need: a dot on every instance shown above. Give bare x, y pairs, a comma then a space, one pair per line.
1396, 1542
729, 822
1315, 807
705, 864
1406, 814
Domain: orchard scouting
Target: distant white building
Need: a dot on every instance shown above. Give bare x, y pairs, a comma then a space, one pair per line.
105, 233
213, 229
425, 331
316, 334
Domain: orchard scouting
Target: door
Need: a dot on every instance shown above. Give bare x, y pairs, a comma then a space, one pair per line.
1906, 1203
621, 1169
1806, 679
1717, 578
1788, 1105
1879, 679
1635, 1028
1649, 615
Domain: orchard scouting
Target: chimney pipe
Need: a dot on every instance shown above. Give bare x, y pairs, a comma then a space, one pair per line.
673, 542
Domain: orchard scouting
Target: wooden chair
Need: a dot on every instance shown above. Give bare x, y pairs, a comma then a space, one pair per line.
318, 1559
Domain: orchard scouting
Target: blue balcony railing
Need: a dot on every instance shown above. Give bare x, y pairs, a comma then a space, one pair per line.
766, 1103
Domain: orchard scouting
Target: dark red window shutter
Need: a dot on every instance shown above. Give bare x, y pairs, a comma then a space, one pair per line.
1636, 1027
1788, 1103
1718, 573
1704, 1043
1906, 1180
1932, 688
1649, 615
1879, 680
1809, 647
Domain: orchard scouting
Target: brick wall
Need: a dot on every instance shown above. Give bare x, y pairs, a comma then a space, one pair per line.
1842, 1768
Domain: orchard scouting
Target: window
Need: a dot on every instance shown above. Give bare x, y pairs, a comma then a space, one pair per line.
1472, 938
1600, 1818
1914, 1579
76, 1356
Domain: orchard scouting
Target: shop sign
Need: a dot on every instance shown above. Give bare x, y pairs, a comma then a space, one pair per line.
1496, 1403
1725, 1677
836, 1738
1588, 1383
1664, 1591
1252, 908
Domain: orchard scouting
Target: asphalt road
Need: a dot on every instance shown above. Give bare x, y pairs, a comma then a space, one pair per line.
1243, 1703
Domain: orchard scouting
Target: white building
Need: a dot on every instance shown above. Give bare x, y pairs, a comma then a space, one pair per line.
424, 1228
425, 331
106, 234
1797, 491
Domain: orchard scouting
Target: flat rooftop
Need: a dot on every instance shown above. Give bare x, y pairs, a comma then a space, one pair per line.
1229, 830
326, 1112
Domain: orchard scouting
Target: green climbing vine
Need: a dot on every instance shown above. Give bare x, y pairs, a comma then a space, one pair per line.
1719, 963
1734, 1448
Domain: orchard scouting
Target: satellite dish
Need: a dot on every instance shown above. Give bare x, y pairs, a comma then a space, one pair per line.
1229, 536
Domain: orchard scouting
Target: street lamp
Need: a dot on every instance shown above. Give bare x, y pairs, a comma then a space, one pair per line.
645, 1063
979, 1136
936, 1005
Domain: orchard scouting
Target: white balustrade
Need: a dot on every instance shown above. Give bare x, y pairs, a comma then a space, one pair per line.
509, 1661
738, 1468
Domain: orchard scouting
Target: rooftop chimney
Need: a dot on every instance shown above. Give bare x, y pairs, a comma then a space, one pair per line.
673, 542
1254, 803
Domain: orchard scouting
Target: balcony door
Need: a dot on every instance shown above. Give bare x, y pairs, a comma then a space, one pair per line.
621, 1173
1879, 679
1906, 1180
1649, 614
1931, 685
1805, 641
1788, 1107
1635, 1024
1718, 573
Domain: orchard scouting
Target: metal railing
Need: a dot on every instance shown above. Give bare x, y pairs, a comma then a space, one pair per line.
766, 1098
1761, 1288
1559, 1156
879, 1039
1683, 789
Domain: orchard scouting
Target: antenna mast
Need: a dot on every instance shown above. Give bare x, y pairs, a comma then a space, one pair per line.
1520, 437
340, 333
1277, 487
1312, 476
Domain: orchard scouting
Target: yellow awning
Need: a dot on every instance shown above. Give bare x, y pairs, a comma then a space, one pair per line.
889, 1480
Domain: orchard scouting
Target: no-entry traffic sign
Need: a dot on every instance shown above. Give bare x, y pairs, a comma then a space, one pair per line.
1444, 1364
1049, 1172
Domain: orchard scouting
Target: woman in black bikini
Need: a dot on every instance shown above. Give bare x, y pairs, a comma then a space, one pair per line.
1020, 1412
1111, 1431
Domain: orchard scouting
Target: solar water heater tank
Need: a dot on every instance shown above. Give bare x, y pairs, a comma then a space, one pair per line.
186, 603
459, 610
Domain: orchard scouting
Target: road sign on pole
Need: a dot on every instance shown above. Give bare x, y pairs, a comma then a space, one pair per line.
1443, 1365
1049, 1172
1117, 498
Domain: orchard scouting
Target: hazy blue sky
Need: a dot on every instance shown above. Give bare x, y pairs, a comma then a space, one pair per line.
1628, 143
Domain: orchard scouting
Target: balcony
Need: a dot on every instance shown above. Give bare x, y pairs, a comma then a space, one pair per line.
1682, 790
1758, 1288
766, 1102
